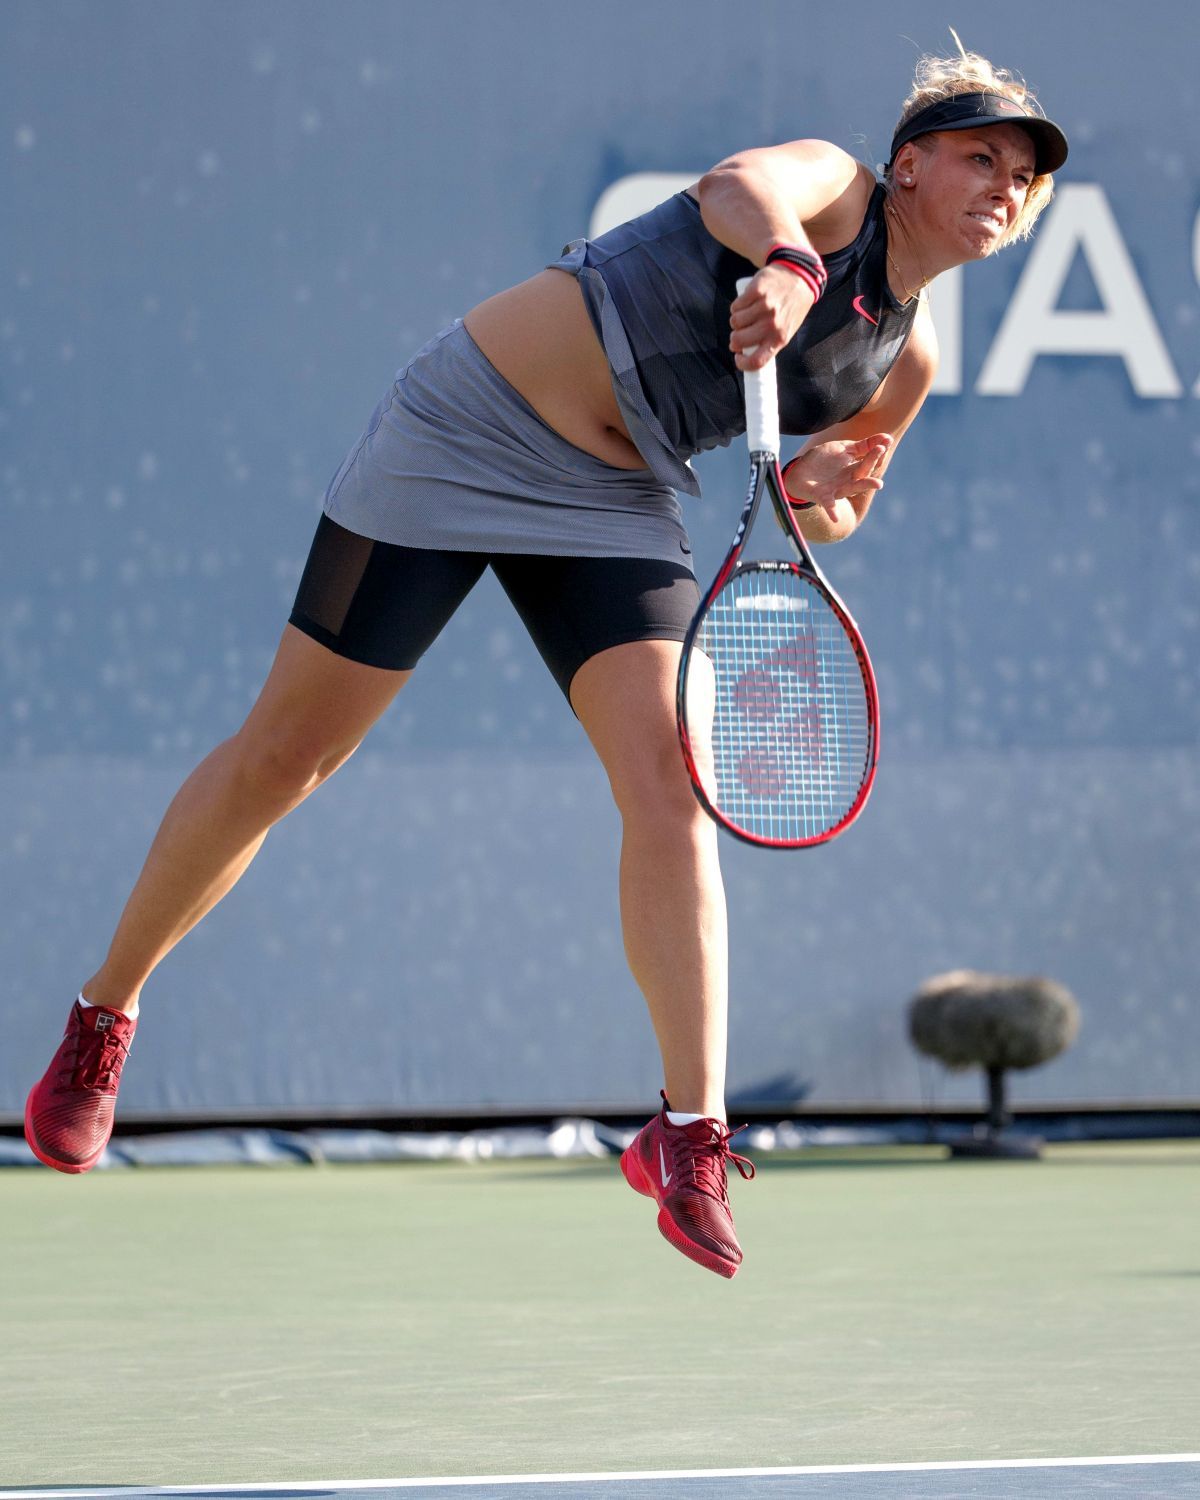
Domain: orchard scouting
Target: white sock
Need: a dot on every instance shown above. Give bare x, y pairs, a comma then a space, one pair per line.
681, 1117
87, 1005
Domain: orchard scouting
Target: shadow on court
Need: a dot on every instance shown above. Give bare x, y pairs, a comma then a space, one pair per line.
815, 1163
1162, 1478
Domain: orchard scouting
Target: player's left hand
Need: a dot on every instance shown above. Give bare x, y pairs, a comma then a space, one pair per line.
840, 469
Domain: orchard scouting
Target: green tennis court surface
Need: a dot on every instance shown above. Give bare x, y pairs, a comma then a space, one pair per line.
208, 1327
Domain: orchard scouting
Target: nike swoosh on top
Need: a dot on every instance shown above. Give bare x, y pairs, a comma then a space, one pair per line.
859, 308
662, 1162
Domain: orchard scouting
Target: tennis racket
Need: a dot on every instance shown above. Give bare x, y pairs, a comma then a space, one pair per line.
776, 701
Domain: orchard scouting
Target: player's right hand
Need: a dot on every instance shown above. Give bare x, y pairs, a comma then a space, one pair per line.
767, 316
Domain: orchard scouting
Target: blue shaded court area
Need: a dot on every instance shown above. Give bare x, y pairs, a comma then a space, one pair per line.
1140, 1477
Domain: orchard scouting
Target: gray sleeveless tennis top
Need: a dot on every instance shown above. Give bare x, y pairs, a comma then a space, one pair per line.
659, 289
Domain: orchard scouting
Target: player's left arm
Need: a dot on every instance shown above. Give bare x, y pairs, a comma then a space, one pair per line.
840, 471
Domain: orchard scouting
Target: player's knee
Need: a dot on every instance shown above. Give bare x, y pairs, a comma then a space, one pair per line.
287, 764
654, 788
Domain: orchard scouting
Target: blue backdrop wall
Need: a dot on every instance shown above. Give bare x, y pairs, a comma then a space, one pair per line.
226, 226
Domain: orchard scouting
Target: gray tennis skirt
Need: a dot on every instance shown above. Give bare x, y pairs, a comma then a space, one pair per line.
455, 459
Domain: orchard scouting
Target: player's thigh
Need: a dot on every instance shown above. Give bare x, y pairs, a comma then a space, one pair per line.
610, 630
313, 711
625, 699
365, 613
576, 608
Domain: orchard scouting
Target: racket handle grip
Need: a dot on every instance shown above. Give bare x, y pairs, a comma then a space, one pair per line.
762, 401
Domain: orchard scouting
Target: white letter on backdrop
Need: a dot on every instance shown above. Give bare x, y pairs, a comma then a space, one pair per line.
1079, 219
945, 304
1196, 268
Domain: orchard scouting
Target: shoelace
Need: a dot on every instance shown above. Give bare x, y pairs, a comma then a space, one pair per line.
702, 1164
96, 1062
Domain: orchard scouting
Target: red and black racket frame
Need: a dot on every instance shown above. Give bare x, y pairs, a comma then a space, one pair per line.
765, 474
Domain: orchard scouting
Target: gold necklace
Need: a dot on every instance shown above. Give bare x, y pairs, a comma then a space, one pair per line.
887, 250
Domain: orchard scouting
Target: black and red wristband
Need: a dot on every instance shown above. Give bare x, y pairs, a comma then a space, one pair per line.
806, 264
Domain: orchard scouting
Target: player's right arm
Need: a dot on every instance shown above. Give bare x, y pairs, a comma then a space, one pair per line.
807, 193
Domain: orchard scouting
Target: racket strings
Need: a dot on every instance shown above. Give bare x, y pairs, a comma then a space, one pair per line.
792, 737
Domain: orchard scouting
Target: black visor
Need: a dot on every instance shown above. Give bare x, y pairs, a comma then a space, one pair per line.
965, 111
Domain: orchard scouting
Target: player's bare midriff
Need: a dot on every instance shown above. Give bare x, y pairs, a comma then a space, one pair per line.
540, 338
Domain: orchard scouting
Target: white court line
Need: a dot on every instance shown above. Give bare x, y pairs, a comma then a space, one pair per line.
600, 1478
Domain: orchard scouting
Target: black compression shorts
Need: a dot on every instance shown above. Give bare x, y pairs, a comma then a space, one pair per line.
385, 605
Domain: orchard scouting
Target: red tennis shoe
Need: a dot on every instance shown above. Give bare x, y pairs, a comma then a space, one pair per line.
69, 1114
682, 1167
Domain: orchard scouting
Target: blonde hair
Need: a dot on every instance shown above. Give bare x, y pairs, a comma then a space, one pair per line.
938, 78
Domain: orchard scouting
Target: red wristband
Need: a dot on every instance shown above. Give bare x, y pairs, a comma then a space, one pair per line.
806, 276
795, 504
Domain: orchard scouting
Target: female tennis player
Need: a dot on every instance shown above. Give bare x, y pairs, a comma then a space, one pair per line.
547, 435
